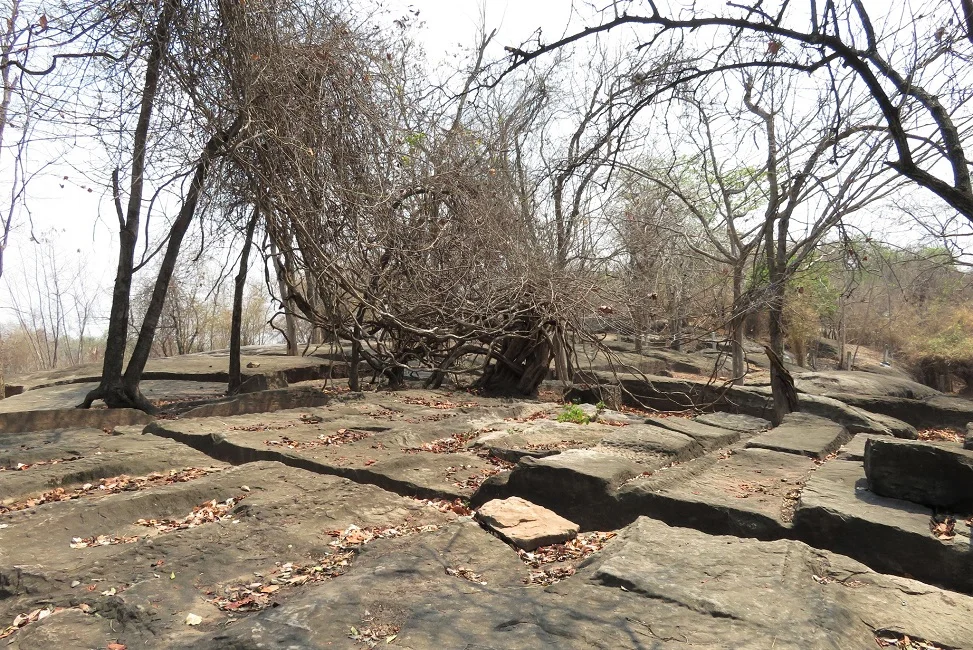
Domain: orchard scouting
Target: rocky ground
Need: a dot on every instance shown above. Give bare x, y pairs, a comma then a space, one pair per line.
307, 517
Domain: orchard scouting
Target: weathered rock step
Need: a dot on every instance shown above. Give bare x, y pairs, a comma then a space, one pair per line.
740, 491
267, 401
938, 411
803, 434
203, 367
16, 486
172, 574
745, 424
682, 588
939, 475
540, 438
417, 475
100, 456
746, 493
751, 492
69, 418
708, 437
838, 512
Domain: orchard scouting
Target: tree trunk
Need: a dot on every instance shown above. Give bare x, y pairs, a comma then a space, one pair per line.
519, 365
290, 323
781, 382
111, 389
354, 383
842, 339
318, 334
737, 324
562, 363
143, 346
236, 323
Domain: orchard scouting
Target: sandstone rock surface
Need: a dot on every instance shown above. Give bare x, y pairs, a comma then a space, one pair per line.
935, 474
803, 434
524, 524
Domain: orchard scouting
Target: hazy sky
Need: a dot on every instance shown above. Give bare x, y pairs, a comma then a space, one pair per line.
81, 215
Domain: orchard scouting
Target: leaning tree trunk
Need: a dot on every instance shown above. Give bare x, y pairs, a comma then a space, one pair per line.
236, 322
781, 382
111, 389
143, 346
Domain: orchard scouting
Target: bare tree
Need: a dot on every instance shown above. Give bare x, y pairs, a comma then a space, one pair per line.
52, 304
174, 31
908, 67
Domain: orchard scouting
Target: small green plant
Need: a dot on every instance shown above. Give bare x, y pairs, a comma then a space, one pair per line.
601, 406
573, 413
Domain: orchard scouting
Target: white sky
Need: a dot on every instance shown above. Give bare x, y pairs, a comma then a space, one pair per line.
83, 221
79, 218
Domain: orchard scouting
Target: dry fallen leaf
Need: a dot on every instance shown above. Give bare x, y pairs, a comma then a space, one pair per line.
945, 529
117, 646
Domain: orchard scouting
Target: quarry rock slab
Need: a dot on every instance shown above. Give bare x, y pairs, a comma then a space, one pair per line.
804, 434
578, 484
861, 383
708, 437
653, 586
650, 445
139, 589
540, 438
838, 512
935, 474
746, 492
524, 524
13, 422
735, 421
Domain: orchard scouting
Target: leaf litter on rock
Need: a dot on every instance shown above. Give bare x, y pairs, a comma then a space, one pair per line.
573, 550
442, 404
372, 633
209, 512
456, 506
941, 435
451, 445
102, 540
555, 446
943, 528
22, 620
890, 639
20, 467
466, 574
499, 463
112, 485
340, 437
373, 637
258, 595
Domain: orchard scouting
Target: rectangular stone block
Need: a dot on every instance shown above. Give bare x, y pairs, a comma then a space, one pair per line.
803, 434
938, 475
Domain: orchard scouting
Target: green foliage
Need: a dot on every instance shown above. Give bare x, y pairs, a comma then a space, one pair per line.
573, 413
415, 139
